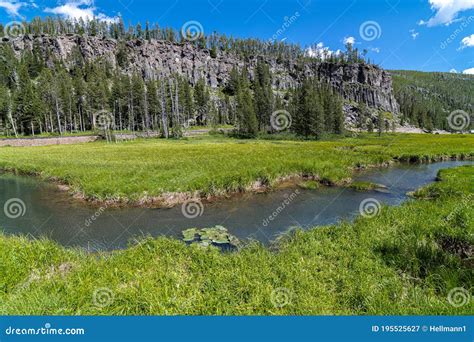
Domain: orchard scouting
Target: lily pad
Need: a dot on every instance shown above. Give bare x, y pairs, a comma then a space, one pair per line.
217, 236
189, 235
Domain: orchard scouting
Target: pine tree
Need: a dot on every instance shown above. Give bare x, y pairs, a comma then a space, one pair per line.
201, 99
234, 82
339, 117
247, 119
153, 104
313, 106
263, 94
381, 123
6, 118
370, 126
147, 31
363, 116
23, 109
122, 55
187, 101
299, 119
138, 102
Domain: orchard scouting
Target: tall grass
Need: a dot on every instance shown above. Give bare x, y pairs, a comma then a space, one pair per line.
210, 165
406, 260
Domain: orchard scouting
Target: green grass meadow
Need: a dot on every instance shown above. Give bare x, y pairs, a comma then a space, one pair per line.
413, 259
213, 165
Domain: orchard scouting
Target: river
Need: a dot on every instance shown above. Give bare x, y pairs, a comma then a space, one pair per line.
44, 211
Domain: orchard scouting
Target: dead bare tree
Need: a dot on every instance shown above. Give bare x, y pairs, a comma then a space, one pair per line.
164, 119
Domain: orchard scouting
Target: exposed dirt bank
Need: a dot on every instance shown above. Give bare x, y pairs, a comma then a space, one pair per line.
21, 142
171, 199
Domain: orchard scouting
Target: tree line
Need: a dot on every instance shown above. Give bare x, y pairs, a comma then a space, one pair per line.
79, 95
215, 42
36, 98
427, 99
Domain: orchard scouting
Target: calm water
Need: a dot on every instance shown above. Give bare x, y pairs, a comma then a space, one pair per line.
52, 213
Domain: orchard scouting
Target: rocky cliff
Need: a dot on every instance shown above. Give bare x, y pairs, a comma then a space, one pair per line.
355, 82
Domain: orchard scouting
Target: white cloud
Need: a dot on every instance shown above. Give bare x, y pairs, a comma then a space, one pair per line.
349, 40
467, 41
324, 52
414, 34
446, 11
469, 71
12, 7
453, 71
321, 51
76, 9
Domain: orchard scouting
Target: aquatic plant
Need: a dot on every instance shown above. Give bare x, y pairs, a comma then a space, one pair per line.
217, 236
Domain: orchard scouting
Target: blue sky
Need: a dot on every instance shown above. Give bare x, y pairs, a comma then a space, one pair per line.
427, 35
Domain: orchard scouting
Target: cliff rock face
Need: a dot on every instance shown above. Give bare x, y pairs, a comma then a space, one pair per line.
355, 82
361, 83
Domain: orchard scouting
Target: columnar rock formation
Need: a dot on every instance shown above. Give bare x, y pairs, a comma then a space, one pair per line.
355, 82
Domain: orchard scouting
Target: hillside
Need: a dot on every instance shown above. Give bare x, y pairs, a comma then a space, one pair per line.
58, 77
427, 98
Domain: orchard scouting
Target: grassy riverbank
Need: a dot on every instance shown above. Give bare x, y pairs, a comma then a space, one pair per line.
214, 165
406, 260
